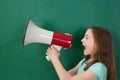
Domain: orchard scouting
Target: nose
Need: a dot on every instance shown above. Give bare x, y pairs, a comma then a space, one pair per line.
82, 39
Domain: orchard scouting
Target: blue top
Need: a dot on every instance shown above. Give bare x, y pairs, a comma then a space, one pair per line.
98, 68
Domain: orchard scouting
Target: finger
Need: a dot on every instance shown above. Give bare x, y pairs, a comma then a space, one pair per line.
49, 49
47, 52
53, 47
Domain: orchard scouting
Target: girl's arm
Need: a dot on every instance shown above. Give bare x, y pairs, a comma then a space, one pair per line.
53, 54
73, 71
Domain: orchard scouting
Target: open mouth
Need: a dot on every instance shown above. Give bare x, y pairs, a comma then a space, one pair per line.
84, 47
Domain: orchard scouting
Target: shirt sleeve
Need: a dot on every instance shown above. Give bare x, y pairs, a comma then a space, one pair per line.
100, 70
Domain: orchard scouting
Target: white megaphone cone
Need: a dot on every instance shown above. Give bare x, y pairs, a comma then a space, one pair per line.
35, 34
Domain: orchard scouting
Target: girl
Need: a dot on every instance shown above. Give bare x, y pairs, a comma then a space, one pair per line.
98, 62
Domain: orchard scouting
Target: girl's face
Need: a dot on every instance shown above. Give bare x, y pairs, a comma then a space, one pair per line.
88, 42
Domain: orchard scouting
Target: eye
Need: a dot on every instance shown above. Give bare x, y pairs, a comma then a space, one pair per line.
86, 37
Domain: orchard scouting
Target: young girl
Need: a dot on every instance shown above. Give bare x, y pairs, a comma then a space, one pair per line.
98, 62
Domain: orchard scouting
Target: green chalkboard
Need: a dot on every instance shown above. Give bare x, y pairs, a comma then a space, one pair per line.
63, 16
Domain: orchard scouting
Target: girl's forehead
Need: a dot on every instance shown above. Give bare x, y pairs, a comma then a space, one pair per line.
88, 32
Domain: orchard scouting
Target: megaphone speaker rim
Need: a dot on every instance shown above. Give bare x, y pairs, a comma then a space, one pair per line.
25, 33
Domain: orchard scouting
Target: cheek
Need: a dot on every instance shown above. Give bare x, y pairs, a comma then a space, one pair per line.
89, 49
91, 46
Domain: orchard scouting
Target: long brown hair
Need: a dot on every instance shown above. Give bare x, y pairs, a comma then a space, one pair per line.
104, 52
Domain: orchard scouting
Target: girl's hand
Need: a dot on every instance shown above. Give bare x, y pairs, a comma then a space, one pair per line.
52, 53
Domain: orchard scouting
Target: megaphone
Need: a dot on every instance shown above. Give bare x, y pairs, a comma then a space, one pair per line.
35, 34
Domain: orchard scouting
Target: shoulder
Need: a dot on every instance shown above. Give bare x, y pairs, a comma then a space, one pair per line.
99, 69
98, 65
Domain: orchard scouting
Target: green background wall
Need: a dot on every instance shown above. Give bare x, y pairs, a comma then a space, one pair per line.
64, 16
